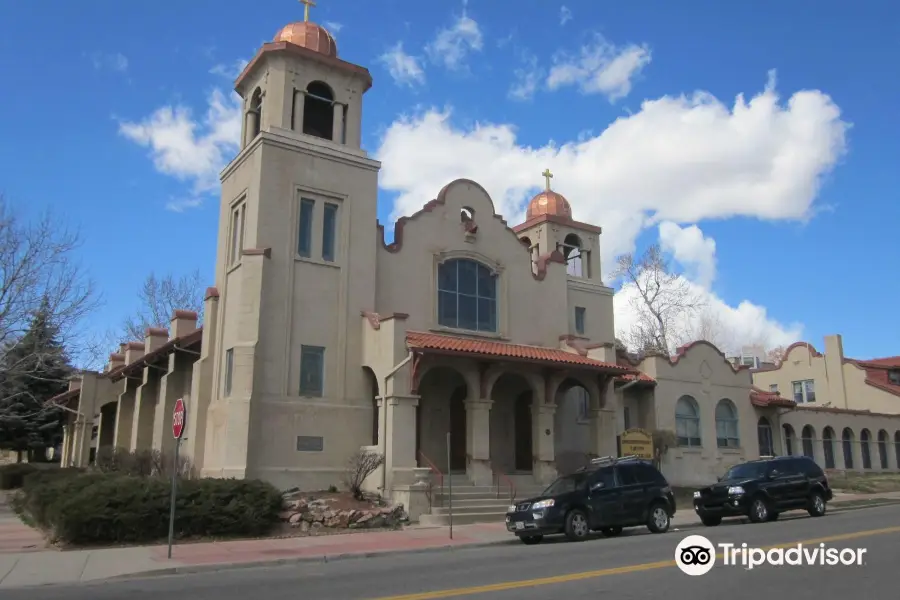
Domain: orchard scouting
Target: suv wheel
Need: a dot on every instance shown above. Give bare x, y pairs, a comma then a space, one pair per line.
611, 531
531, 540
759, 510
711, 521
659, 520
816, 504
577, 528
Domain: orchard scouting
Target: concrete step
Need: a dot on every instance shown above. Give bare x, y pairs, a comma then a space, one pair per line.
443, 520
471, 509
478, 501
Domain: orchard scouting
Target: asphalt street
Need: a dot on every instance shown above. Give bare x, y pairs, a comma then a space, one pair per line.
635, 565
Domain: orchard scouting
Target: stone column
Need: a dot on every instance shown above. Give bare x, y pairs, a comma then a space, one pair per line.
297, 110
81, 443
400, 440
478, 441
337, 131
603, 431
67, 439
542, 417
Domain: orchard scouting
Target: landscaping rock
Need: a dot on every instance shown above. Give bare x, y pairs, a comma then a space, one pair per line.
309, 513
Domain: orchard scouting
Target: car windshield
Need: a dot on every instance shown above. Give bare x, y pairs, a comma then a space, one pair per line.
565, 484
746, 471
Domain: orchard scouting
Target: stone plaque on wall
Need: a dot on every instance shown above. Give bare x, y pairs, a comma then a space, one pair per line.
310, 443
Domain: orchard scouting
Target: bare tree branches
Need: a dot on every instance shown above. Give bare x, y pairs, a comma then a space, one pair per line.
159, 298
664, 303
362, 464
38, 272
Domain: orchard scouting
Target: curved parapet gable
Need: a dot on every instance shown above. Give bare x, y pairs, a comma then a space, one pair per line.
683, 350
486, 206
805, 345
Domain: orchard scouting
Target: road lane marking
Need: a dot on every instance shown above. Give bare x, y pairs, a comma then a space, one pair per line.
570, 577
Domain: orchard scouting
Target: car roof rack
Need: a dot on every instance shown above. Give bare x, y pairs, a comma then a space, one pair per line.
603, 460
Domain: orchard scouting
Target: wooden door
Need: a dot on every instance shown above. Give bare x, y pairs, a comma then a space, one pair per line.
458, 430
523, 433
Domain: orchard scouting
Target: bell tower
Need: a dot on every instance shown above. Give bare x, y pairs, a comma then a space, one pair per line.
298, 83
295, 268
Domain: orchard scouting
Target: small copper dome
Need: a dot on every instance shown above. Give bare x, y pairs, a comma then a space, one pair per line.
549, 202
308, 35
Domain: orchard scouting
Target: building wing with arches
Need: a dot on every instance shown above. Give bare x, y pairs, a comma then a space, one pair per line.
464, 346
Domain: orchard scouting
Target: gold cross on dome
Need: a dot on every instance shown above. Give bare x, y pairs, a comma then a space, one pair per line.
306, 4
548, 176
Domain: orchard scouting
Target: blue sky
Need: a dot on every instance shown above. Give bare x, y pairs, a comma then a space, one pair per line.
781, 209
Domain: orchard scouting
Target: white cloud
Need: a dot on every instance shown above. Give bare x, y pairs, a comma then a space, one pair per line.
404, 68
527, 79
565, 15
600, 68
333, 27
188, 150
452, 45
115, 62
731, 326
229, 71
693, 250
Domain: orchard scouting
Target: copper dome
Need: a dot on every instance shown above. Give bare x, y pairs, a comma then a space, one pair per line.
308, 35
549, 202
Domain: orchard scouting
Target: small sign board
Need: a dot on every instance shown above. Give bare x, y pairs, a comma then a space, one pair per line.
310, 443
178, 419
636, 442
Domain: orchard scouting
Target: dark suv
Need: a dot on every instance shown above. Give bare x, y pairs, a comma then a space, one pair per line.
761, 489
607, 496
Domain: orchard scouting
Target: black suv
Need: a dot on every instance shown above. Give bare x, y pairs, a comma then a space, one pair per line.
761, 489
607, 496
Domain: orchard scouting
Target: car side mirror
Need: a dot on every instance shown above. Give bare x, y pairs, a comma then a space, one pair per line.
772, 475
598, 486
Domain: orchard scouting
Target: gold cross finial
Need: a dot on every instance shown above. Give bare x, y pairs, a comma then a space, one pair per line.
548, 176
306, 4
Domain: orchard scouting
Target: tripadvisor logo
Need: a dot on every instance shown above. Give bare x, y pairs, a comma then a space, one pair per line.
696, 555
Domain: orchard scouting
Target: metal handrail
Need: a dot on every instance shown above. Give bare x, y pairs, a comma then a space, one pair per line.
440, 476
499, 476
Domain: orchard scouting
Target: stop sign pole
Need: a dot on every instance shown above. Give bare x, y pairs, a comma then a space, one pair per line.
179, 415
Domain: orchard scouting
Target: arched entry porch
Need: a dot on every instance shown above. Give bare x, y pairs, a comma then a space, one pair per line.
512, 425
441, 412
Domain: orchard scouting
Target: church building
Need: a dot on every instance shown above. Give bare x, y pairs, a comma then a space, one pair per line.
467, 345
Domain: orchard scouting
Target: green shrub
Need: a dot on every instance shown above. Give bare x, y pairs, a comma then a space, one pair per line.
108, 508
12, 476
45, 475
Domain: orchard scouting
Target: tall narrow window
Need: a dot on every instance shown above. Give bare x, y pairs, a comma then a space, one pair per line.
579, 320
687, 422
304, 242
237, 233
229, 370
312, 371
329, 227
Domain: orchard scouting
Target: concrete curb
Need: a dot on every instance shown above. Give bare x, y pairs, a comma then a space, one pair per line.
191, 569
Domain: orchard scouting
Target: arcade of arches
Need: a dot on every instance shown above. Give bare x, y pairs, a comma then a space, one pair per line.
492, 419
845, 448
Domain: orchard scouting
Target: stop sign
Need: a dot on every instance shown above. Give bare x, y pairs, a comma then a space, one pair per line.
178, 419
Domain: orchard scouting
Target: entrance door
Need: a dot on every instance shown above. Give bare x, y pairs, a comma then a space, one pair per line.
524, 453
458, 430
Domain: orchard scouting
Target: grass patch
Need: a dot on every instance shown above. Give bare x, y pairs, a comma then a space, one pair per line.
864, 483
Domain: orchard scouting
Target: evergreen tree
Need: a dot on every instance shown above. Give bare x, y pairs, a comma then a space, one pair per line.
34, 369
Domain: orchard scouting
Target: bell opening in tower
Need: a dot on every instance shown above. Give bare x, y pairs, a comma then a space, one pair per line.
318, 111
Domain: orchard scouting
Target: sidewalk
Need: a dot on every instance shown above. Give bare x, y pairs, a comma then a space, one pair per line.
15, 536
27, 568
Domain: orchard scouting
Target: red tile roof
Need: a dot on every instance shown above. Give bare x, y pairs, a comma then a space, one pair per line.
642, 377
877, 372
451, 344
764, 399
137, 366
